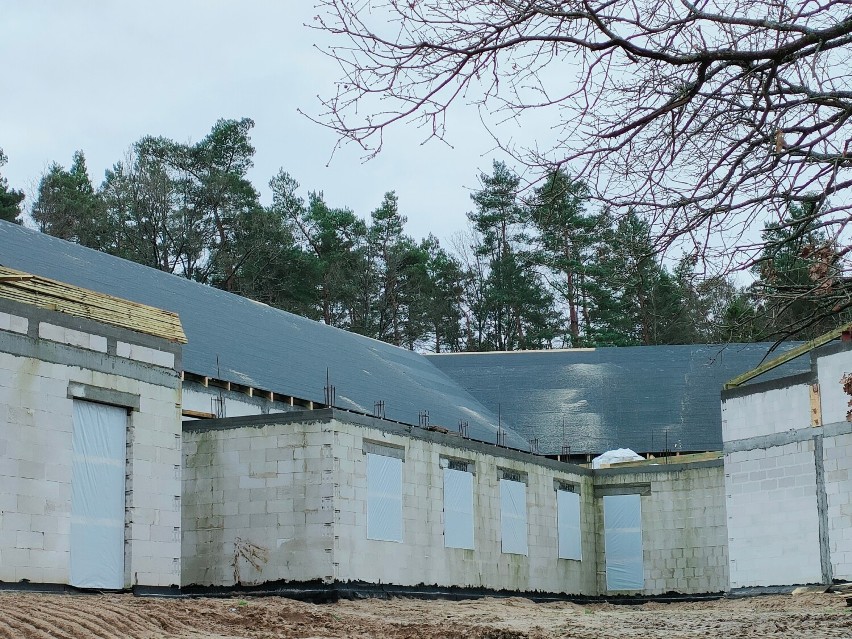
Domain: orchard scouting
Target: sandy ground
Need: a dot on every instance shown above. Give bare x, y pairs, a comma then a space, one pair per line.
30, 616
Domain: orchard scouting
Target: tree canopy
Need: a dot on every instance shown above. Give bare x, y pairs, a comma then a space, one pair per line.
10, 199
707, 119
546, 267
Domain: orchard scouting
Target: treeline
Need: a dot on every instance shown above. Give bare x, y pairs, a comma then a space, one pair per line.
539, 268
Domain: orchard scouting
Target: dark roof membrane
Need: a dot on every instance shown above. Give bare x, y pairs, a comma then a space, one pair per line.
646, 397
235, 339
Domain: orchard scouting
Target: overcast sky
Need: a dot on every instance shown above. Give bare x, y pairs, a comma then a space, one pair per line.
97, 75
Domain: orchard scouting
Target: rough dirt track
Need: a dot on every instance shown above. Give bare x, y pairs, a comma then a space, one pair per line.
31, 616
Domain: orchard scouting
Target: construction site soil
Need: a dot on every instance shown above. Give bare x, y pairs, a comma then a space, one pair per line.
31, 616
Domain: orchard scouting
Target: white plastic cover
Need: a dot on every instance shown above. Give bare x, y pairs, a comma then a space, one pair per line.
616, 456
623, 542
513, 517
384, 498
97, 496
568, 524
458, 509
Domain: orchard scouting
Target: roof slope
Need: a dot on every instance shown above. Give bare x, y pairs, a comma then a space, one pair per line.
628, 397
241, 341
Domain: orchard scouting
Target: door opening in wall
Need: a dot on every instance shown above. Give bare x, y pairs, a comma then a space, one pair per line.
98, 468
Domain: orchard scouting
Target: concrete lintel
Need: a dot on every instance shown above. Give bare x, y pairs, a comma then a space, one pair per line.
36, 315
623, 489
568, 486
102, 395
465, 465
513, 475
382, 448
661, 467
323, 416
788, 437
56, 353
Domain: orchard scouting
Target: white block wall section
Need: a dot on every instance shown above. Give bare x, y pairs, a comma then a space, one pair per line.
765, 413
830, 370
14, 323
145, 354
257, 505
773, 523
35, 472
837, 453
72, 337
288, 501
423, 556
684, 536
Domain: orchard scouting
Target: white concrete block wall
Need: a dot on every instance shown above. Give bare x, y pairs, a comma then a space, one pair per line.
258, 498
154, 505
684, 537
296, 493
837, 465
35, 467
422, 557
145, 354
834, 402
72, 337
773, 524
14, 323
765, 413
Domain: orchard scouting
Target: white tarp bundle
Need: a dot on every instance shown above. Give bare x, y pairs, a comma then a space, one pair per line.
384, 498
97, 496
625, 569
615, 457
458, 509
513, 517
568, 524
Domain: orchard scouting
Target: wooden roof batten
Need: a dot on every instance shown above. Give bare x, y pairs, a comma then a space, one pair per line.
793, 353
58, 296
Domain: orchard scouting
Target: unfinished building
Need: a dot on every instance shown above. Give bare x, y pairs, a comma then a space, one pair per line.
90, 440
313, 458
788, 485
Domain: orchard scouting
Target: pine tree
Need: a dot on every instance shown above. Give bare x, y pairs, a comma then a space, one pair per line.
514, 308
67, 206
10, 199
800, 288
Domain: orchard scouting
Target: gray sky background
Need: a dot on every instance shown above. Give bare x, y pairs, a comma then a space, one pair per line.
98, 75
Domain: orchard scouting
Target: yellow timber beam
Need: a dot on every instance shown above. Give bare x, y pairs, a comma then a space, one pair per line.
793, 353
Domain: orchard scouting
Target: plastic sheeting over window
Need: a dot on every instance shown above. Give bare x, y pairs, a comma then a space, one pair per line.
568, 524
458, 509
384, 498
513, 517
623, 542
97, 496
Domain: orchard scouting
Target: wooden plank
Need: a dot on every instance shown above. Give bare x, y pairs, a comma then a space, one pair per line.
198, 414
73, 300
792, 354
816, 405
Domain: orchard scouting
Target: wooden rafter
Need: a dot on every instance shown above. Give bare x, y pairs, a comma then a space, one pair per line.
787, 356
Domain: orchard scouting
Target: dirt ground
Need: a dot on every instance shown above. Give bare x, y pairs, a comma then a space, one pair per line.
30, 616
